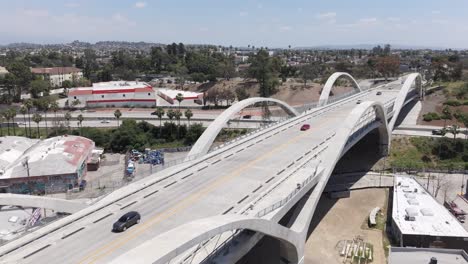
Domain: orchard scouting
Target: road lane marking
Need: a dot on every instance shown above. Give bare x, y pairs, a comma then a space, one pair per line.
185, 203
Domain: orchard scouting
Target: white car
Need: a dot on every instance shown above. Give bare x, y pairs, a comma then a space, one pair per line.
105, 121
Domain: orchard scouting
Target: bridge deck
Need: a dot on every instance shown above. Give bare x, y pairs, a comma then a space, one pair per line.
224, 183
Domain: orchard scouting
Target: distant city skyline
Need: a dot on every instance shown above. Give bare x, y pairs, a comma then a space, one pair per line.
299, 23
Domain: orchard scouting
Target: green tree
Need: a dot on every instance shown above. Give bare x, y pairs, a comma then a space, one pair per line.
55, 107
68, 117
23, 110
29, 104
309, 71
188, 114
67, 84
177, 115
6, 115
22, 76
39, 86
37, 118
80, 119
454, 130
446, 115
160, 113
12, 116
170, 114
75, 102
265, 69
117, 115
241, 93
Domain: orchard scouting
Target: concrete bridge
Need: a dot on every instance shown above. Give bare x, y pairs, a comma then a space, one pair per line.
226, 199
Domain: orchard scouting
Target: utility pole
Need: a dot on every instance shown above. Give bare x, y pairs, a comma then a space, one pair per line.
26, 164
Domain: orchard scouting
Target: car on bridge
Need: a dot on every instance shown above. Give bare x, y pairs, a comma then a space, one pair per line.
305, 127
105, 121
379, 93
359, 101
127, 220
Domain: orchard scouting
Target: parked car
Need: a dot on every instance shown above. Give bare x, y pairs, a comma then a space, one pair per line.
105, 121
126, 221
305, 127
438, 132
379, 93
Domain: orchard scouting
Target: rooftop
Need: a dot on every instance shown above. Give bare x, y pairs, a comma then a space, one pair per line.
55, 70
112, 87
173, 93
416, 212
52, 156
423, 256
11, 148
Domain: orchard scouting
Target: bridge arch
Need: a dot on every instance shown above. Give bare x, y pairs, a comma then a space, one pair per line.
350, 125
58, 205
178, 240
205, 141
415, 78
326, 90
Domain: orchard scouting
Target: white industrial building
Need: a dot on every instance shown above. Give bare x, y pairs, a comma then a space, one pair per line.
57, 75
28, 165
418, 220
190, 98
114, 94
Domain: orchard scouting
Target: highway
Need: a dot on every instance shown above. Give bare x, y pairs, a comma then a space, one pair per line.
223, 183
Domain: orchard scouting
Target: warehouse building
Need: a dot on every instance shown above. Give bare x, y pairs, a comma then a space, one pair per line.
38, 166
57, 75
189, 98
418, 220
114, 94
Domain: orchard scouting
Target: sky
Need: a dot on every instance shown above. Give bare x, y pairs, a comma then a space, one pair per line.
273, 23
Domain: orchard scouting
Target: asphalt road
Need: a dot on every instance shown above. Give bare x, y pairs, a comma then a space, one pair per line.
213, 187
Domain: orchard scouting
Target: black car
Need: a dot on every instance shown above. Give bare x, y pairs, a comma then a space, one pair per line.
247, 116
126, 221
439, 132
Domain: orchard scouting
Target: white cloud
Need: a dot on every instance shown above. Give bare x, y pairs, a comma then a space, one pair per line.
440, 21
140, 4
35, 12
243, 13
122, 19
326, 16
285, 28
72, 5
367, 21
393, 19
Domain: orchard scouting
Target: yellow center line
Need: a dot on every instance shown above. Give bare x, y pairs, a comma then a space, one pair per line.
119, 242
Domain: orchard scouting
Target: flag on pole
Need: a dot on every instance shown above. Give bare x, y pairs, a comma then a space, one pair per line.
35, 216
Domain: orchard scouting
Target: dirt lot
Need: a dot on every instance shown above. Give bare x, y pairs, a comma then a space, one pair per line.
342, 219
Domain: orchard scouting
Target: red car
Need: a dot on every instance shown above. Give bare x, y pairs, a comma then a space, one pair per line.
305, 127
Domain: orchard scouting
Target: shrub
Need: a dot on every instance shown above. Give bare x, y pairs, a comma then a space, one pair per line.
453, 103
431, 116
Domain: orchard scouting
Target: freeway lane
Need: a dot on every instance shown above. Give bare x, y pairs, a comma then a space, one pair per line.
208, 191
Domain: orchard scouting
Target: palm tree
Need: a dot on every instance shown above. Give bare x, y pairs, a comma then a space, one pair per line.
446, 115
68, 118
55, 107
177, 115
23, 110
29, 104
37, 118
45, 107
12, 117
6, 115
454, 129
188, 114
75, 103
179, 98
160, 113
170, 114
80, 119
1, 128
117, 115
